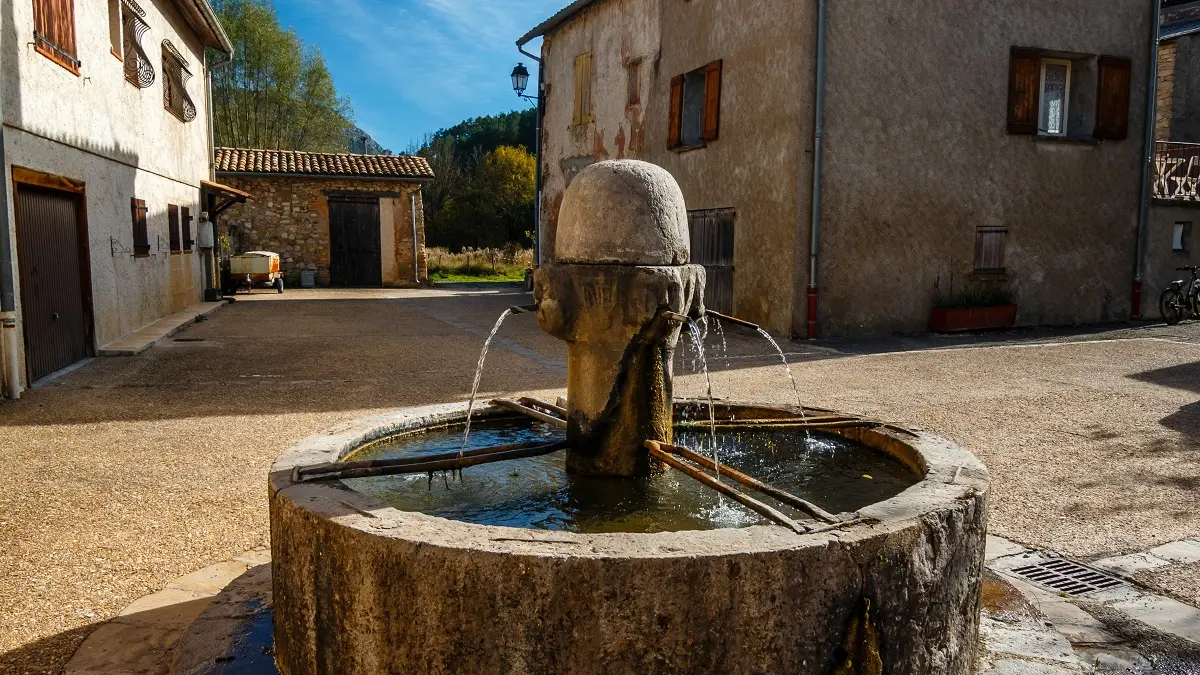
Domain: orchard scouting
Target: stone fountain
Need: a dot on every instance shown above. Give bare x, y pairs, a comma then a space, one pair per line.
361, 586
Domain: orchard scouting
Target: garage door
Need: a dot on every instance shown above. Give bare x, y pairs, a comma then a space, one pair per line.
354, 247
53, 271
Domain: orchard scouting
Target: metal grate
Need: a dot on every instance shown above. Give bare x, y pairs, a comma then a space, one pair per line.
1067, 577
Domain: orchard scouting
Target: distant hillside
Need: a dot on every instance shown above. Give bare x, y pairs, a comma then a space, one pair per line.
360, 142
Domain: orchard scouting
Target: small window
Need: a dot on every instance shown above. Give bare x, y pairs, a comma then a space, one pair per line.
175, 76
185, 221
115, 20
141, 237
989, 249
1180, 236
634, 82
54, 32
695, 109
1056, 92
583, 89
173, 227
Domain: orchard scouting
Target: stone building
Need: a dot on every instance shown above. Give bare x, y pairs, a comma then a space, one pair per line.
350, 219
970, 152
105, 149
1175, 210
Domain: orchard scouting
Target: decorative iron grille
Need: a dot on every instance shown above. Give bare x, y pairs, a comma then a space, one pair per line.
138, 69
1177, 171
175, 77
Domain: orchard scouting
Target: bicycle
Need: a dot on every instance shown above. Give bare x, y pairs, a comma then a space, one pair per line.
1180, 297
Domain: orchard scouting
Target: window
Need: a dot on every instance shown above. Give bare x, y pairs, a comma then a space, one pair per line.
583, 89
633, 82
138, 70
173, 227
1180, 236
175, 76
54, 32
1056, 89
695, 109
141, 238
1068, 95
989, 249
185, 219
115, 21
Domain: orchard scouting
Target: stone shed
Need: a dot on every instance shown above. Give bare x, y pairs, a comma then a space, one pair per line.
353, 220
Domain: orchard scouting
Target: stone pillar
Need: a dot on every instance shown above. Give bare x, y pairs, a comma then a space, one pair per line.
621, 266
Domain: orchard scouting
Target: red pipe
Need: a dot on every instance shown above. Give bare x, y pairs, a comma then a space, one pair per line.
1135, 310
812, 312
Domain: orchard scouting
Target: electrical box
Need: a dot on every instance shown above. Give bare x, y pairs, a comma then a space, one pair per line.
204, 233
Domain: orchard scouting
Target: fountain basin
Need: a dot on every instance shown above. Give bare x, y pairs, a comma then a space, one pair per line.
364, 588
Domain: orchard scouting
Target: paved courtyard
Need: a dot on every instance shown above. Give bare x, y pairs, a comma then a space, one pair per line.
130, 472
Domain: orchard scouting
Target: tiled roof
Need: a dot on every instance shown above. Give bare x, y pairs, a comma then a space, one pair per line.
246, 160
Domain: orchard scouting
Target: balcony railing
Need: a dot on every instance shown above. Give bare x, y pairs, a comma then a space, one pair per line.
1177, 171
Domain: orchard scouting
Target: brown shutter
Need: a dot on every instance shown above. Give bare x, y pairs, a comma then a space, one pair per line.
675, 121
1024, 91
173, 227
1112, 98
712, 101
185, 218
141, 238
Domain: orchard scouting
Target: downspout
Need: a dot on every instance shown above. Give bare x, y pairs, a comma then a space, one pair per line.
1139, 263
412, 202
8, 301
818, 156
537, 154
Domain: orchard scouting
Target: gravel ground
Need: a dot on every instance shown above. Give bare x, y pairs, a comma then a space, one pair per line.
129, 472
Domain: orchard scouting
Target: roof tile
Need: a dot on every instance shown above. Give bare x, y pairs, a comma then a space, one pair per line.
251, 160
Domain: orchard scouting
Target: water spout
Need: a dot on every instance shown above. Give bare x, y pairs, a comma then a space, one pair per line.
479, 373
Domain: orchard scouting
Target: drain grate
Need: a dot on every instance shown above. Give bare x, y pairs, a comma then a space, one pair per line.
1067, 577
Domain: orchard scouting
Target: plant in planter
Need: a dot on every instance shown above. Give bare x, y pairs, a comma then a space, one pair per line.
974, 311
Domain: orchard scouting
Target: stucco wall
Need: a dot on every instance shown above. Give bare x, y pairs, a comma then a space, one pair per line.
1161, 260
98, 129
917, 157
756, 167
290, 216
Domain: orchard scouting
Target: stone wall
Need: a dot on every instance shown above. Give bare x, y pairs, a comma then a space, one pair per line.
1185, 100
290, 216
1164, 107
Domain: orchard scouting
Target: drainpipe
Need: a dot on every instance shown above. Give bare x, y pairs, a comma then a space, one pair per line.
8, 301
412, 203
537, 154
1139, 263
818, 156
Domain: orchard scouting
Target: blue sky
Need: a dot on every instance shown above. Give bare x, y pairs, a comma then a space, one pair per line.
411, 67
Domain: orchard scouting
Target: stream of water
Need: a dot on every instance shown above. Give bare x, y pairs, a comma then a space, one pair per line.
791, 378
478, 374
712, 415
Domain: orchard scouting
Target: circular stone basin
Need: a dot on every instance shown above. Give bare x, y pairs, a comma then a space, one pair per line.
656, 577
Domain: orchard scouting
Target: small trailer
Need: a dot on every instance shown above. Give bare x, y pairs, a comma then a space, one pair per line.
254, 268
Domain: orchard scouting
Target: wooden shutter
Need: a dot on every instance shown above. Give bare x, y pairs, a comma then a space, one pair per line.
1112, 98
675, 121
583, 89
173, 227
54, 23
1024, 91
141, 238
185, 219
712, 101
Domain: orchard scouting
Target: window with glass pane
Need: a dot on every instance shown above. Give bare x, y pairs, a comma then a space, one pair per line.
1056, 78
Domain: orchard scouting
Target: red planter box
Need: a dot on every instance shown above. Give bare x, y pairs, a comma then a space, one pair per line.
946, 320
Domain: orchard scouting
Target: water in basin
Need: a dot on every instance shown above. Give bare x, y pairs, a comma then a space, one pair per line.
828, 470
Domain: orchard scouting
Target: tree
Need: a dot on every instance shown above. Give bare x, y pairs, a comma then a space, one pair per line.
277, 92
493, 208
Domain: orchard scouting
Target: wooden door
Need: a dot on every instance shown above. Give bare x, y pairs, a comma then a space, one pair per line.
712, 246
354, 247
54, 273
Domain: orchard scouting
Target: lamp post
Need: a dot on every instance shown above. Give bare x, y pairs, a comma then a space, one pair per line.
520, 82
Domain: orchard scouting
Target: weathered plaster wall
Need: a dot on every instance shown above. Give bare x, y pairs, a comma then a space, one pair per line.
290, 216
918, 157
758, 165
117, 139
1161, 261
1185, 107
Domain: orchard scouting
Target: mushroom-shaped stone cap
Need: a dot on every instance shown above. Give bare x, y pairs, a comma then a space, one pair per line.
623, 212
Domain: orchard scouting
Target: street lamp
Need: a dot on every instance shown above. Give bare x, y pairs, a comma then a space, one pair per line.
520, 82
